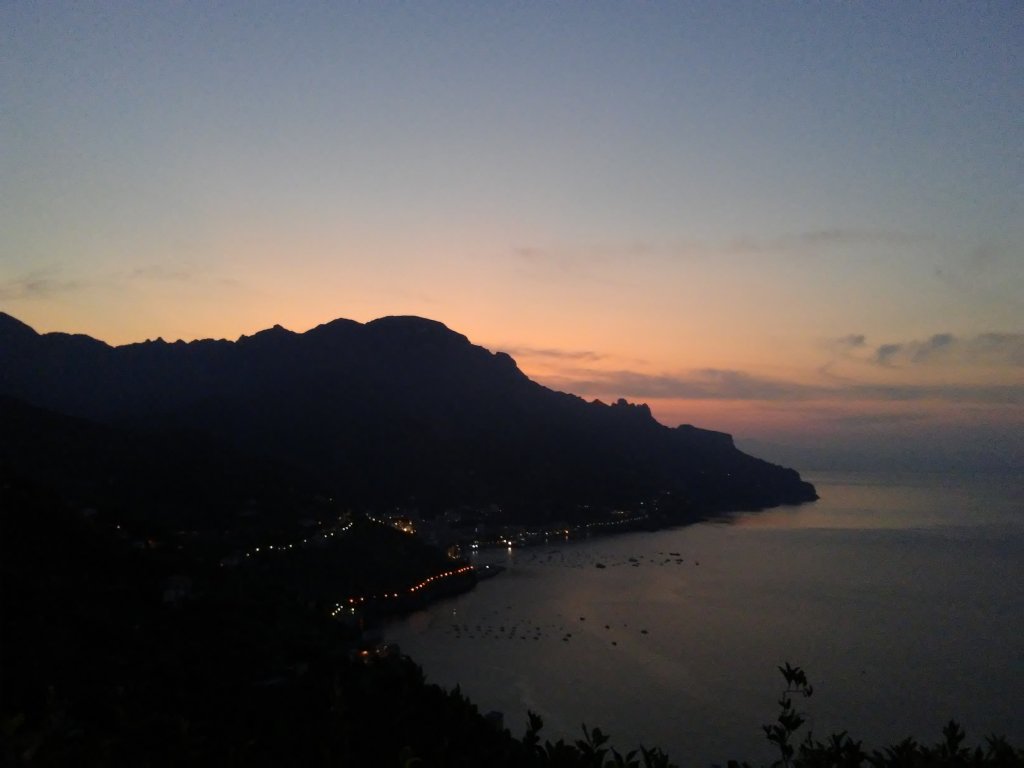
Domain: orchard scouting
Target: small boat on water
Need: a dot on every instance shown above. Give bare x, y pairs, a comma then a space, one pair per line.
488, 571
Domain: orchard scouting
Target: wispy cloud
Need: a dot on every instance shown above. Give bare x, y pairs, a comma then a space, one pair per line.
38, 285
852, 341
586, 261
941, 344
583, 263
986, 266
884, 354
1008, 347
982, 394
163, 273
816, 239
717, 384
878, 419
705, 384
582, 355
579, 259
986, 349
530, 252
548, 259
47, 283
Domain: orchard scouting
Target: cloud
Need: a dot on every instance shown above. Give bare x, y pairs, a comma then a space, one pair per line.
846, 345
937, 344
718, 384
552, 354
885, 353
576, 263
580, 259
161, 273
529, 253
852, 341
982, 394
878, 419
37, 285
705, 384
49, 282
977, 264
995, 349
1005, 347
989, 273
814, 240
840, 236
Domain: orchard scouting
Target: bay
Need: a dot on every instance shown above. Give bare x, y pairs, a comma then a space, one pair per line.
902, 596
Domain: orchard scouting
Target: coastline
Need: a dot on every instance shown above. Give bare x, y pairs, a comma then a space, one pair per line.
378, 613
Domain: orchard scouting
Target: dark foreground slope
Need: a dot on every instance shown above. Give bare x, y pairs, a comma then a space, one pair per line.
398, 410
97, 670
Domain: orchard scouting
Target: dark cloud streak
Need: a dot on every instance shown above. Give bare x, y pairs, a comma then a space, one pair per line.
829, 236
852, 341
999, 349
583, 355
160, 273
716, 384
37, 285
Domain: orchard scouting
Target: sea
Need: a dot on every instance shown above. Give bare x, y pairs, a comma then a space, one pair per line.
900, 595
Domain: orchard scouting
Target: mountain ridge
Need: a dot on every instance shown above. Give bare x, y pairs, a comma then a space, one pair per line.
398, 410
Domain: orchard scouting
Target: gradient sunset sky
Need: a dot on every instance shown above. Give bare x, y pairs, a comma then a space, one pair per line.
797, 222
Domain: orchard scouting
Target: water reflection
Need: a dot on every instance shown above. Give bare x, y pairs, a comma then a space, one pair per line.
898, 599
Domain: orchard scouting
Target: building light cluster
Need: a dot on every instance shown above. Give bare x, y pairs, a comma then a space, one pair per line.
354, 601
398, 522
623, 521
529, 537
285, 547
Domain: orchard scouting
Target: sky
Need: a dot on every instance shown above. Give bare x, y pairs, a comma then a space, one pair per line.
800, 223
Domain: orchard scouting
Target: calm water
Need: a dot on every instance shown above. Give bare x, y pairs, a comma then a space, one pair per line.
902, 597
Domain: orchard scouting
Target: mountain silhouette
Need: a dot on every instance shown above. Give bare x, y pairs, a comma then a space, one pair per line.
400, 410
